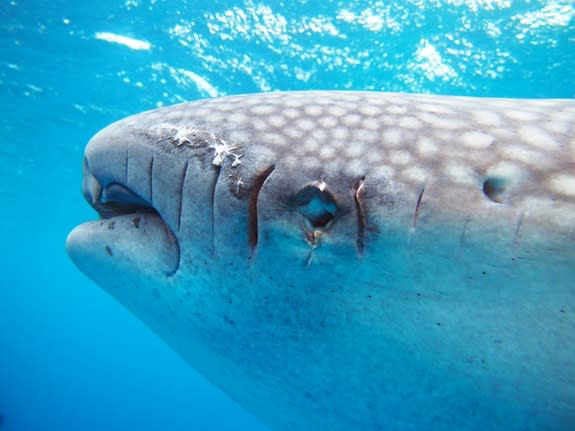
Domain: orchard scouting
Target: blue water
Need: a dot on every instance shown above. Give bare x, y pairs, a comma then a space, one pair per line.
70, 357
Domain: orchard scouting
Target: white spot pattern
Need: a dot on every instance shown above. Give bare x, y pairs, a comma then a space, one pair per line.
406, 138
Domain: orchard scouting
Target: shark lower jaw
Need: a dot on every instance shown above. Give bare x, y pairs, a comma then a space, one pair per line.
137, 244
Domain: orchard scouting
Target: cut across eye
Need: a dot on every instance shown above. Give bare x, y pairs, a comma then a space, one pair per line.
316, 204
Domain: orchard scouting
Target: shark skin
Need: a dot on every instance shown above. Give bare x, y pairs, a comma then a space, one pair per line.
350, 261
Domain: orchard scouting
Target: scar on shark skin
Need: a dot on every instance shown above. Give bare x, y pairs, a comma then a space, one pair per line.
517, 236
418, 205
461, 245
312, 237
318, 207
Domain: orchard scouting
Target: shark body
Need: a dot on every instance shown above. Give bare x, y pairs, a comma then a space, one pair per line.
338, 260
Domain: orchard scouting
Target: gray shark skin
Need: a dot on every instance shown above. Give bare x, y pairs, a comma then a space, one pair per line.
350, 261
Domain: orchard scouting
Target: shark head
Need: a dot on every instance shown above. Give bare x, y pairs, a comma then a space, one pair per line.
341, 261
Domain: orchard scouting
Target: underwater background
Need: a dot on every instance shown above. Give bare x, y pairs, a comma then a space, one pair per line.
72, 358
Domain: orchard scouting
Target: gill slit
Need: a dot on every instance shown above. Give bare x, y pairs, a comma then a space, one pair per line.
126, 169
151, 179
218, 169
361, 222
253, 209
181, 194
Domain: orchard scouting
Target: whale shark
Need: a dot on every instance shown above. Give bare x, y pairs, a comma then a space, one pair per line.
349, 260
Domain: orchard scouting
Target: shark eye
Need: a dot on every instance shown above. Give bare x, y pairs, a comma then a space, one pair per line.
316, 204
494, 188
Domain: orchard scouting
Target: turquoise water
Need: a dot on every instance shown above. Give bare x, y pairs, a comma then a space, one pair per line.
72, 358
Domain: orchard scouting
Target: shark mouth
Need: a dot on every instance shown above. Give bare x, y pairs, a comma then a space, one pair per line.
116, 199
133, 219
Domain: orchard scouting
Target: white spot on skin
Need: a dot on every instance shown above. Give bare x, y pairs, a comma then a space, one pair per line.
384, 171
441, 122
351, 120
438, 109
374, 157
537, 137
320, 134
410, 123
354, 149
400, 157
336, 111
562, 116
370, 124
563, 184
310, 162
392, 137
291, 113
523, 155
520, 115
396, 110
175, 115
310, 145
426, 147
503, 134
369, 110
239, 136
339, 144
415, 174
477, 140
340, 133
332, 166
225, 107
237, 117
263, 109
557, 127
509, 171
294, 132
313, 110
486, 118
277, 121
328, 122
291, 160
305, 124
326, 152
444, 135
355, 167
274, 139
294, 102
259, 124
460, 174
388, 120
364, 135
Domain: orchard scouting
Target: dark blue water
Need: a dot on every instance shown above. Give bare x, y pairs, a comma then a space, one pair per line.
70, 357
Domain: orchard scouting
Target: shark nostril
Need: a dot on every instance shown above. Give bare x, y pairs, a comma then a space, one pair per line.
316, 204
